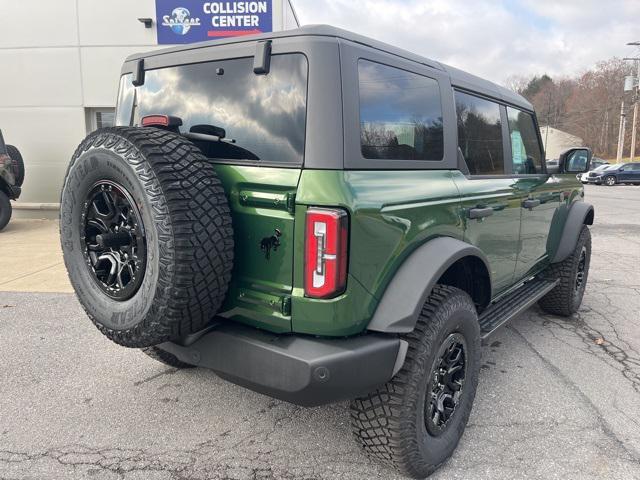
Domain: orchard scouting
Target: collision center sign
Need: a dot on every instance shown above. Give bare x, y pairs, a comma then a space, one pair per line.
187, 21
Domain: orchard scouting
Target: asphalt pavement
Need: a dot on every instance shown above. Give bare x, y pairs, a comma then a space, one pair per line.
558, 398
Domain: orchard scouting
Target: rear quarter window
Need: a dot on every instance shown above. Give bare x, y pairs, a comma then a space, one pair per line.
480, 134
263, 116
526, 153
400, 114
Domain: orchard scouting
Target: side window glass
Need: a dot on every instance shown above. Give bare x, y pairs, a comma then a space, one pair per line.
480, 134
400, 114
525, 148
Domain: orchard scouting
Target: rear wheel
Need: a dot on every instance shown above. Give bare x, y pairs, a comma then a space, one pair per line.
146, 235
610, 181
5, 210
415, 421
565, 299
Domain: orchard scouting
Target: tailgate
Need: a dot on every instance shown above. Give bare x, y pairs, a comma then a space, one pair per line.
262, 200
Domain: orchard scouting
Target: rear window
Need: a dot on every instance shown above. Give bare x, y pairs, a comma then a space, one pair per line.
400, 114
263, 116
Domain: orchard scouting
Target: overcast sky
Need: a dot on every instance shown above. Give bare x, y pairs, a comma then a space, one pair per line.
493, 39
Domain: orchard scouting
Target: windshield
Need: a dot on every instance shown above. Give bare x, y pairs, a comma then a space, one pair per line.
260, 117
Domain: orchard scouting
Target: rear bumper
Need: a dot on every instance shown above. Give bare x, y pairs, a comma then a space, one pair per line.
303, 370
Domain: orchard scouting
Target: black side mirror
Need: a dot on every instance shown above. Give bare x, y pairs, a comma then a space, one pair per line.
575, 160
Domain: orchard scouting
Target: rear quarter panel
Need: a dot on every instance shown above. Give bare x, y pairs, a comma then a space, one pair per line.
391, 213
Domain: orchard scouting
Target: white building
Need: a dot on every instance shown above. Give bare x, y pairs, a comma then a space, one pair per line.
556, 141
60, 64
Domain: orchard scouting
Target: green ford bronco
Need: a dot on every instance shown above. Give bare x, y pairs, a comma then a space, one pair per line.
318, 216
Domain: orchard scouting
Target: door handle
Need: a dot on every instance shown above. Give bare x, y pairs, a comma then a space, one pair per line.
480, 212
530, 203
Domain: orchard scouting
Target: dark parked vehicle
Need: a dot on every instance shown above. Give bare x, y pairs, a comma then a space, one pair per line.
614, 174
11, 178
597, 162
319, 216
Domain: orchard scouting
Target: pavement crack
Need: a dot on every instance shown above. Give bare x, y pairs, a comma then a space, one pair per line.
602, 422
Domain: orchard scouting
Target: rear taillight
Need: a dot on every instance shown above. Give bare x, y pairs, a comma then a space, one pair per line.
161, 121
325, 266
155, 121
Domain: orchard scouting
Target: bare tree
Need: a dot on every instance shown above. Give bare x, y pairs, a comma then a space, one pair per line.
587, 105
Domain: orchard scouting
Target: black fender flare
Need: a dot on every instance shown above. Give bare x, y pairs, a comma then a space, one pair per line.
413, 282
580, 213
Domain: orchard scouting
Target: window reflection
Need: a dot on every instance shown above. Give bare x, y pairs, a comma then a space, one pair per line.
480, 134
525, 148
263, 115
400, 114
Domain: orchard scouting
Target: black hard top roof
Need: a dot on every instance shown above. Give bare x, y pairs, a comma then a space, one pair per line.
459, 78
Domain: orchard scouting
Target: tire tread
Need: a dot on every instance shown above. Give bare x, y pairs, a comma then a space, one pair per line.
194, 226
560, 301
383, 421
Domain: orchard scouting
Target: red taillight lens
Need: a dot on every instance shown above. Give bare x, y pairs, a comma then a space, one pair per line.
155, 121
325, 266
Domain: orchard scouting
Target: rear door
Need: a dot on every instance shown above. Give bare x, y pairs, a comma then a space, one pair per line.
490, 199
540, 192
625, 174
633, 171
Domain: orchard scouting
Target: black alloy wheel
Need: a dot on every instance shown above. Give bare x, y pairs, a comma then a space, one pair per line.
113, 240
582, 270
446, 384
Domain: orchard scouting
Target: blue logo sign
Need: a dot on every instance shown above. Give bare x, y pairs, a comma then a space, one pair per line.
180, 21
188, 21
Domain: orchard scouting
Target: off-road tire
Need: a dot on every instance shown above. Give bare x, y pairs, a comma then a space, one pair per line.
389, 422
565, 299
5, 210
16, 156
165, 357
189, 236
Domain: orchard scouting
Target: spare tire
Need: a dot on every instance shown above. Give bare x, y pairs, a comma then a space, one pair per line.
146, 235
16, 156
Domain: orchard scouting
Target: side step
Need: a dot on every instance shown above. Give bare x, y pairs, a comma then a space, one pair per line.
513, 304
